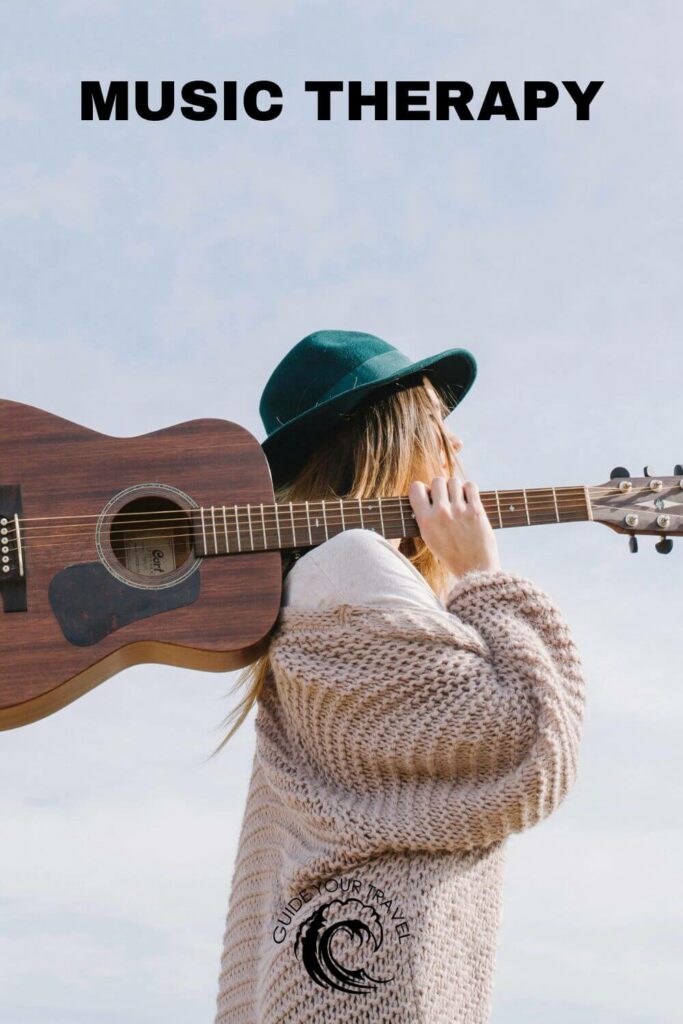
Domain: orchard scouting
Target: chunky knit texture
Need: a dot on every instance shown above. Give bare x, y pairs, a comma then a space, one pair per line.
396, 751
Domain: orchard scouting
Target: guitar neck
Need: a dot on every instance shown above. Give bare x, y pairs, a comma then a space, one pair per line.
231, 529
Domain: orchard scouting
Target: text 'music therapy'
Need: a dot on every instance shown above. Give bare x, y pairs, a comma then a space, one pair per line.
336, 100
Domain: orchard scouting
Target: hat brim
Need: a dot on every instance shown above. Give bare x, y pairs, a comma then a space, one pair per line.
451, 372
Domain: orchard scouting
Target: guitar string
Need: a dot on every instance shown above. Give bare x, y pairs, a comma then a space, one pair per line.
390, 521
194, 516
534, 500
387, 508
296, 541
485, 495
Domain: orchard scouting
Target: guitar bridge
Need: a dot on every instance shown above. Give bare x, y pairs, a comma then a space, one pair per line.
12, 552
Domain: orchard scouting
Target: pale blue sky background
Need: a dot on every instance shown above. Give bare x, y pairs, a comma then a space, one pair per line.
152, 273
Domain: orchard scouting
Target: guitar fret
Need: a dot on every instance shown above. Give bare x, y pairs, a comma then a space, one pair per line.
277, 525
341, 509
201, 514
589, 507
237, 528
251, 532
403, 522
225, 529
564, 511
327, 536
291, 515
500, 518
360, 506
526, 506
308, 520
213, 523
263, 528
381, 517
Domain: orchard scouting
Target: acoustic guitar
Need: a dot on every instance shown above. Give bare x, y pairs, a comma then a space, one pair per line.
168, 547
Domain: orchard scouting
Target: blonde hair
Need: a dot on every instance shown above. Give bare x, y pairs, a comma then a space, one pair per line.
376, 451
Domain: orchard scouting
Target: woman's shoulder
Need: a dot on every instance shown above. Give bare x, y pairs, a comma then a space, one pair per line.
357, 566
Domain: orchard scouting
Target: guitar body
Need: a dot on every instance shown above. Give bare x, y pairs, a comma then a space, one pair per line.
92, 599
168, 547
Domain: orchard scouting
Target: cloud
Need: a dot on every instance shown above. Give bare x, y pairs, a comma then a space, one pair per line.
71, 197
14, 109
583, 931
89, 8
243, 19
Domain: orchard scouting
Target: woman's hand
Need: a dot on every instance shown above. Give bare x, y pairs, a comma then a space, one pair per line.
454, 524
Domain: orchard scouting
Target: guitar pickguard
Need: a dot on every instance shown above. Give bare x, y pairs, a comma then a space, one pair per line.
89, 603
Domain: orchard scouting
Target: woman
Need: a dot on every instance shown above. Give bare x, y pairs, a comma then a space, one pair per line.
416, 706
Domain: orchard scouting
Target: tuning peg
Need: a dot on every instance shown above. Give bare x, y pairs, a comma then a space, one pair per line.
618, 471
647, 471
633, 544
678, 469
664, 545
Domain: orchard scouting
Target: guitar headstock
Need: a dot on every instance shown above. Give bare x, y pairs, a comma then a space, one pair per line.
647, 505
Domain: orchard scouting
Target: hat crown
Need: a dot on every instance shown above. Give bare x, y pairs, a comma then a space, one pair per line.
312, 370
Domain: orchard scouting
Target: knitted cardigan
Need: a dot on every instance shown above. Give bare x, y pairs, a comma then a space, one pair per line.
396, 750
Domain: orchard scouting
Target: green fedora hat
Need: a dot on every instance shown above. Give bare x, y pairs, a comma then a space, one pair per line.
328, 373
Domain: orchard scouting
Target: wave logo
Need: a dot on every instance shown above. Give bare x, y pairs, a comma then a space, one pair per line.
320, 935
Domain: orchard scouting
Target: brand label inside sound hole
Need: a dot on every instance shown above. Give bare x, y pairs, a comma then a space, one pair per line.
149, 557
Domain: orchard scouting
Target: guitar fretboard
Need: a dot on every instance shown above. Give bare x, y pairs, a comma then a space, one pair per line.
233, 529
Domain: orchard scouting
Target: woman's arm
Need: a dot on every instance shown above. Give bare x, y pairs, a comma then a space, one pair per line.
532, 670
397, 729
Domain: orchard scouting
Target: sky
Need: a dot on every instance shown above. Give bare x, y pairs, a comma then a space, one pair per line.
153, 273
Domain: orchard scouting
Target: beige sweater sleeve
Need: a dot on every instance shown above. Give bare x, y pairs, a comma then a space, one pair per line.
398, 730
533, 704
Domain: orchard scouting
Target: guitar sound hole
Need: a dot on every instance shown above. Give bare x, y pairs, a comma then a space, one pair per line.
150, 536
